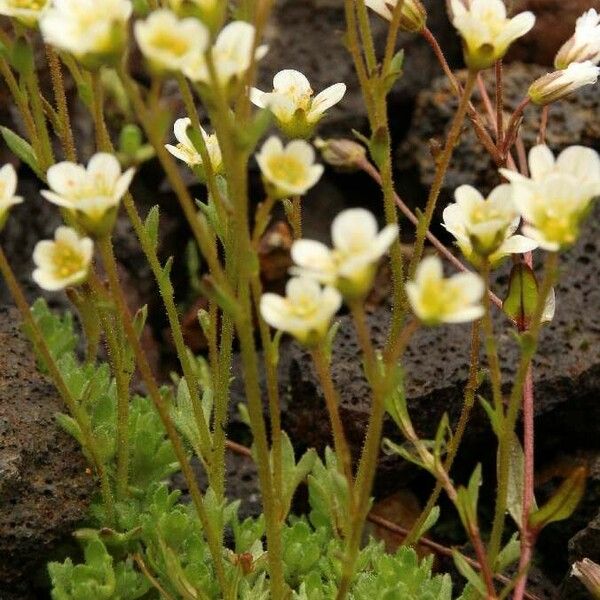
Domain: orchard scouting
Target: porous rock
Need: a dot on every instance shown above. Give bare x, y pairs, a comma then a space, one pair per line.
308, 35
566, 373
574, 120
45, 483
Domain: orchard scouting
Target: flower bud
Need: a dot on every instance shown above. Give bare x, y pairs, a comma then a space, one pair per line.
584, 44
588, 572
558, 84
341, 153
413, 16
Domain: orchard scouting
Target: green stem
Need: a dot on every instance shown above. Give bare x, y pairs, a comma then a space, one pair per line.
35, 95
78, 413
490, 342
66, 133
440, 173
270, 362
370, 453
122, 379
465, 413
366, 35
332, 402
22, 104
167, 295
197, 222
103, 141
212, 538
529, 346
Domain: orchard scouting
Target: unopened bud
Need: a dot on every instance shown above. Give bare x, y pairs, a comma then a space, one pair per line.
413, 16
341, 153
588, 572
558, 84
584, 44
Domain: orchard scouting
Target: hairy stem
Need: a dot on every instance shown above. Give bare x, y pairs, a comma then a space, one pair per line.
442, 166
214, 544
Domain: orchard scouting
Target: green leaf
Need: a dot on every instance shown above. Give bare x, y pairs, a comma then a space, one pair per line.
521, 300
151, 226
23, 150
379, 146
563, 502
515, 481
395, 71
22, 57
467, 571
431, 519
509, 554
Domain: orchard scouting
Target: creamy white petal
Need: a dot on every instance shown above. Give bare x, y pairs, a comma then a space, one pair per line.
258, 98
66, 178
123, 184
517, 244
583, 163
541, 161
467, 196
312, 254
326, 99
290, 80
353, 229
105, 167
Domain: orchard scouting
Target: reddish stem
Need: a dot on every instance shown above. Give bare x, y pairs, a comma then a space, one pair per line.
368, 168
499, 104
543, 125
527, 536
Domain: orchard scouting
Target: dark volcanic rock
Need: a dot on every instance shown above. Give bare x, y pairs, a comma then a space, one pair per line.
554, 25
566, 371
307, 35
45, 483
575, 120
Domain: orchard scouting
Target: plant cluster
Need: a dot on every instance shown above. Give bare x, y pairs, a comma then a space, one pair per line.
141, 540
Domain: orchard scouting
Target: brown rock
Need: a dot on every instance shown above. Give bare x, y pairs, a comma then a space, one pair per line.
45, 483
555, 24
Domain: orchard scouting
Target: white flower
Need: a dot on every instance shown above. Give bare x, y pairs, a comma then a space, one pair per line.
584, 45
554, 200
558, 84
414, 15
486, 31
93, 30
26, 11
305, 312
289, 170
352, 263
8, 189
92, 194
485, 228
186, 151
231, 54
63, 262
435, 299
292, 102
169, 43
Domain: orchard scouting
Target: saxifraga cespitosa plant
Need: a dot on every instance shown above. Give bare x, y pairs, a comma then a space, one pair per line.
141, 541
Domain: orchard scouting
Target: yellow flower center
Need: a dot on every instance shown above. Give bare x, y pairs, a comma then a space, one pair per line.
167, 41
485, 212
303, 306
288, 169
28, 4
67, 260
439, 299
